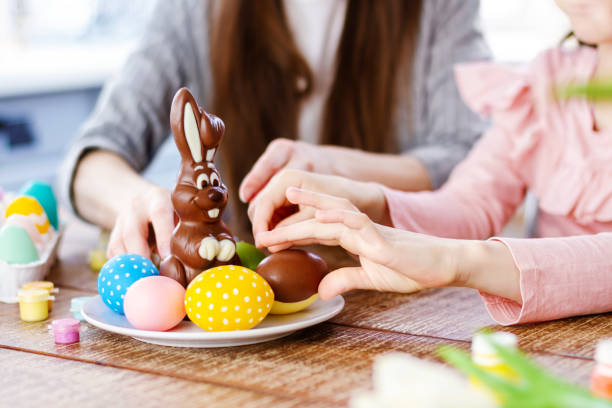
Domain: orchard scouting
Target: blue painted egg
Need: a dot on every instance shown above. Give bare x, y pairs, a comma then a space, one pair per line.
118, 274
43, 193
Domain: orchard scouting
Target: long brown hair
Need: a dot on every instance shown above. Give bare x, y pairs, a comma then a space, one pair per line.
257, 65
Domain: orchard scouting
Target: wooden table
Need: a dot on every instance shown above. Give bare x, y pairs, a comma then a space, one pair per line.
317, 367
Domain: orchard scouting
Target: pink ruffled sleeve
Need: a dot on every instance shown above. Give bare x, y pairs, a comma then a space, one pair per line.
559, 277
484, 190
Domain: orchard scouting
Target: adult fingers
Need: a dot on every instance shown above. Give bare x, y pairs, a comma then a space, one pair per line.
262, 213
272, 197
162, 219
115, 241
134, 236
276, 155
282, 213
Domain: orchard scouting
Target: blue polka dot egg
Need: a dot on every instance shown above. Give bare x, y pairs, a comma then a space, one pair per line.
118, 274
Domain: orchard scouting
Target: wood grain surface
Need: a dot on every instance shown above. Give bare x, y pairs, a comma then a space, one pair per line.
320, 366
39, 380
456, 313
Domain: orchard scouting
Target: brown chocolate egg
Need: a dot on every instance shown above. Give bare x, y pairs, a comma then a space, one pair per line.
294, 276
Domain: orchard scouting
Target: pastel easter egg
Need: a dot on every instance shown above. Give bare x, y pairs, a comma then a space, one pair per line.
97, 259
155, 303
29, 206
249, 255
294, 275
28, 223
227, 298
43, 193
118, 274
16, 246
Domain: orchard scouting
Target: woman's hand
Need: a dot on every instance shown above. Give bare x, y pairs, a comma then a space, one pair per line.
133, 208
131, 233
272, 208
398, 171
283, 154
393, 260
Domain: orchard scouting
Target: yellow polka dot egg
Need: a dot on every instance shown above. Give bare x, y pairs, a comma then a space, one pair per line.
227, 298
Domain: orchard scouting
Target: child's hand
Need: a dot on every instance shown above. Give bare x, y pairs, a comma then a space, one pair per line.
391, 260
272, 201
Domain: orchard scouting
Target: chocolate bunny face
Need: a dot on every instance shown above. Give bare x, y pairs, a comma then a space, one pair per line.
200, 195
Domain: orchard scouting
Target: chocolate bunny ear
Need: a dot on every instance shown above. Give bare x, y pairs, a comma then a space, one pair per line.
184, 119
212, 133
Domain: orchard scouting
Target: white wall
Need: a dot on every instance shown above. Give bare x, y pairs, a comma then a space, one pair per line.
518, 29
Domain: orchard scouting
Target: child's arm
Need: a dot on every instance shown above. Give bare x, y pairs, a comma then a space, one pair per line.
394, 260
559, 277
477, 201
522, 280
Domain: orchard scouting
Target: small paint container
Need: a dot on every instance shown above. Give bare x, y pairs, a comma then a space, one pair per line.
601, 378
42, 285
75, 306
485, 356
66, 331
34, 304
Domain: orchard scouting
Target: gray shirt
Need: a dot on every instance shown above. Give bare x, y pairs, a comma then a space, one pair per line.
131, 117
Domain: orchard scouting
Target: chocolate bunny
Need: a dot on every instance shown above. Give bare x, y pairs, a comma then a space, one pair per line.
201, 239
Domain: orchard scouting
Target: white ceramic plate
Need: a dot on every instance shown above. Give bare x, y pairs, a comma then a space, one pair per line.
187, 334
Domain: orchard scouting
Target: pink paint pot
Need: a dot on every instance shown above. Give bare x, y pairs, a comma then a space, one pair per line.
66, 331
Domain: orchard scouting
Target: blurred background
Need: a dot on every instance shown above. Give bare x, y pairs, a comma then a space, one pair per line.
56, 54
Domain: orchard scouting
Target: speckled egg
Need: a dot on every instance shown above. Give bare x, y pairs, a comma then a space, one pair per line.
155, 303
227, 298
118, 274
43, 193
16, 246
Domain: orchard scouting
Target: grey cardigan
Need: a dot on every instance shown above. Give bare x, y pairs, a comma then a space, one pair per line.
131, 117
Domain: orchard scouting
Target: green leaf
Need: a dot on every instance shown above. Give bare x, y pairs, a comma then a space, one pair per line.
249, 255
594, 90
536, 388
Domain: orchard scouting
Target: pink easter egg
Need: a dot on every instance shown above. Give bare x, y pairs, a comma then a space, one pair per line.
155, 303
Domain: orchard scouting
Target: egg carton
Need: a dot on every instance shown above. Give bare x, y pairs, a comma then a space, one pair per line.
13, 276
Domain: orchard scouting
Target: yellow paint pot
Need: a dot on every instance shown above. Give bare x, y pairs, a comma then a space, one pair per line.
486, 357
46, 285
34, 304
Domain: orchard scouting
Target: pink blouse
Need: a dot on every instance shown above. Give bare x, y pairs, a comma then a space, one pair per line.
551, 148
